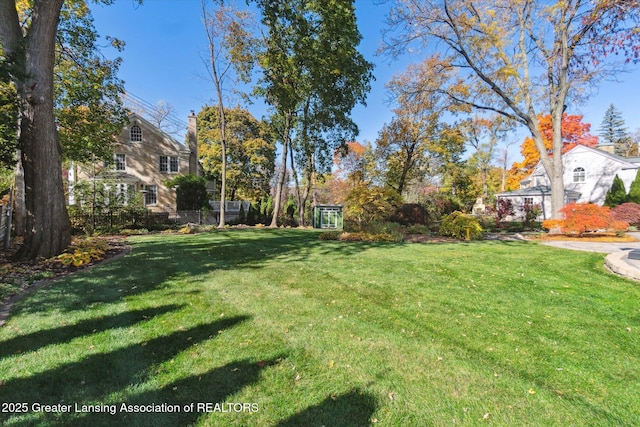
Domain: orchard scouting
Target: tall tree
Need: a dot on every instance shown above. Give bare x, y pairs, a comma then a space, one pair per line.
313, 76
32, 51
518, 58
231, 48
613, 132
405, 144
250, 151
29, 45
403, 149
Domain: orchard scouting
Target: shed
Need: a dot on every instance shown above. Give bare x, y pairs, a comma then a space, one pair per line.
327, 216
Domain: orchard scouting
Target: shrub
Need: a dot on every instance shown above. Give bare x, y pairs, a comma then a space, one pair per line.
617, 194
369, 237
417, 229
191, 192
530, 212
438, 204
627, 212
457, 224
553, 225
410, 213
330, 235
504, 208
634, 190
584, 217
619, 227
367, 204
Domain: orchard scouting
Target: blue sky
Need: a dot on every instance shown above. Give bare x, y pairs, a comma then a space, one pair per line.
166, 44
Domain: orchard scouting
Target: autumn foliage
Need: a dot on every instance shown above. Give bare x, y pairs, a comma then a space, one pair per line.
580, 218
574, 132
627, 212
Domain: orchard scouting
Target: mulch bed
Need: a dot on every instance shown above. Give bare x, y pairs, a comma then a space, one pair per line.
28, 276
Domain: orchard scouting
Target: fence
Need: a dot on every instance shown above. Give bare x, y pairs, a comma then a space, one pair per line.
139, 218
3, 221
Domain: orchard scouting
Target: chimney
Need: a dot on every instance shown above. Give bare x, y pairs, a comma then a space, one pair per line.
192, 140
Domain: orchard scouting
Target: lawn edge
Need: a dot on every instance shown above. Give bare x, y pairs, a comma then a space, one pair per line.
7, 305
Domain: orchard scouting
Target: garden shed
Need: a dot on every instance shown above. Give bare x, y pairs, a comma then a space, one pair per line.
327, 216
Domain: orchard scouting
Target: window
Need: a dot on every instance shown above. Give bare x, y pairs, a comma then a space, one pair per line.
150, 195
579, 175
168, 164
528, 201
135, 133
124, 193
120, 162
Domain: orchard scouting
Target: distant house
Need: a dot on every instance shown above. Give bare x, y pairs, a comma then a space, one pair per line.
144, 158
588, 175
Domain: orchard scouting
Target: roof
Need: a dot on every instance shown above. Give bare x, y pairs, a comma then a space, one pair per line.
137, 118
540, 190
627, 162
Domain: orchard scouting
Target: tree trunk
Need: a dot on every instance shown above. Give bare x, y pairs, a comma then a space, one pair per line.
294, 172
48, 231
283, 171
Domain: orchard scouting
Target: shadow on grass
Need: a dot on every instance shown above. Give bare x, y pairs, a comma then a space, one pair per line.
62, 334
350, 409
156, 261
207, 392
97, 376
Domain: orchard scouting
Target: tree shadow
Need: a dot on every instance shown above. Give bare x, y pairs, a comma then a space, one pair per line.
97, 376
351, 409
203, 391
62, 334
157, 261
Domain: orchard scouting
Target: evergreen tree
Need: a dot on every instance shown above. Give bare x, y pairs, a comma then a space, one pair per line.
617, 194
614, 132
634, 190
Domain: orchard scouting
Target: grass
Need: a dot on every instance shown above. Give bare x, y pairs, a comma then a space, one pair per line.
288, 330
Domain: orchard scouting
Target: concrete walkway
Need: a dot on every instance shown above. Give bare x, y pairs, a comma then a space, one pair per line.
617, 259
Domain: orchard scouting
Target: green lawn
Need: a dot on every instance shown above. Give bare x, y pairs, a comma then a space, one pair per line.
279, 328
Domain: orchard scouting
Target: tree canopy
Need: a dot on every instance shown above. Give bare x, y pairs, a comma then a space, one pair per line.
33, 43
574, 132
250, 151
521, 58
313, 76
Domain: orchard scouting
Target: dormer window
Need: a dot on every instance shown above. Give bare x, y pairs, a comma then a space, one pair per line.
135, 134
579, 175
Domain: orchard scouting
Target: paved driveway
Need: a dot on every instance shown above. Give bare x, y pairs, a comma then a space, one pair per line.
606, 248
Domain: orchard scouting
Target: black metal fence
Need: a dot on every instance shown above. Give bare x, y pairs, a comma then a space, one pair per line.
121, 219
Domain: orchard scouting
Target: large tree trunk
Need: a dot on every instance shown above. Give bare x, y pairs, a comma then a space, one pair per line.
47, 220
48, 231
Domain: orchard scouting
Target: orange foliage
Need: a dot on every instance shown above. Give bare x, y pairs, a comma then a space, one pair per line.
574, 132
348, 171
584, 217
552, 224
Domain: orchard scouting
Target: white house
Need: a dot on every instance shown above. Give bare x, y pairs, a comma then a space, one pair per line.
588, 175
